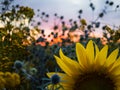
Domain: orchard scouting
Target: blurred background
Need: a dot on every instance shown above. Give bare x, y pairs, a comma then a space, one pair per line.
33, 31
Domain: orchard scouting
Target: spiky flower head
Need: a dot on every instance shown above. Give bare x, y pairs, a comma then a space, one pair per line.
18, 64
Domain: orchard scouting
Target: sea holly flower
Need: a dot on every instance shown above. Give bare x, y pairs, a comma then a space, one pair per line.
18, 64
55, 81
94, 70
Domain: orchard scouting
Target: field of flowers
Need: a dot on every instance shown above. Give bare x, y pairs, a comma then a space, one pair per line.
62, 60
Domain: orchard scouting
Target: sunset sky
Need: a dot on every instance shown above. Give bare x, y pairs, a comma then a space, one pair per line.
69, 9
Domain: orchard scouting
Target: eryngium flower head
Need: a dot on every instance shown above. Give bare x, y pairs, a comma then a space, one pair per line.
18, 64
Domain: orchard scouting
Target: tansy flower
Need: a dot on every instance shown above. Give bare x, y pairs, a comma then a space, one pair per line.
12, 79
16, 78
94, 70
2, 83
9, 79
1, 73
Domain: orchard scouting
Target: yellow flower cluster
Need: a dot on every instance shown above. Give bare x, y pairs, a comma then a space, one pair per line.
9, 80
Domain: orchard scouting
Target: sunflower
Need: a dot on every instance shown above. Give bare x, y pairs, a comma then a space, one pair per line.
94, 70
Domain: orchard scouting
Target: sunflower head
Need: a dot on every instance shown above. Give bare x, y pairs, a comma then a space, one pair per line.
94, 81
94, 69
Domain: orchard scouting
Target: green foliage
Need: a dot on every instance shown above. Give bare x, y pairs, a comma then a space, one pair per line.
13, 37
28, 12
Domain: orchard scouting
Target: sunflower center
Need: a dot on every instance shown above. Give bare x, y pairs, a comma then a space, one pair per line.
94, 81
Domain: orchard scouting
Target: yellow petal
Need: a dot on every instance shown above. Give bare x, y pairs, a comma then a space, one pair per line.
71, 63
115, 70
50, 74
66, 80
101, 57
66, 88
116, 64
90, 52
111, 58
96, 50
118, 87
53, 87
64, 66
81, 55
116, 79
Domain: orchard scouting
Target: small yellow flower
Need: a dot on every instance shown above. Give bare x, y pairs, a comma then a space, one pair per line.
16, 78
2, 83
12, 79
9, 79
94, 70
1, 73
7, 74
